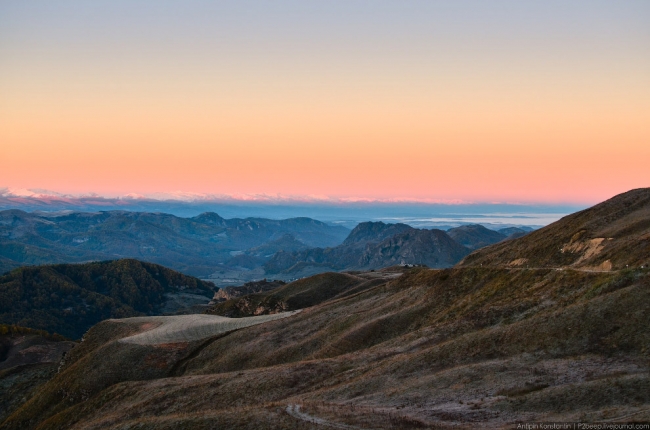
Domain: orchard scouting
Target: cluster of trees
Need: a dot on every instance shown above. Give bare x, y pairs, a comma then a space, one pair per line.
70, 298
16, 330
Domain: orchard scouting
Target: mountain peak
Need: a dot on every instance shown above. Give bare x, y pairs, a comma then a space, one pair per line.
475, 236
373, 231
209, 218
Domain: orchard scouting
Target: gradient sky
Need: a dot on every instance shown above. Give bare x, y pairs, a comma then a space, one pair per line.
474, 101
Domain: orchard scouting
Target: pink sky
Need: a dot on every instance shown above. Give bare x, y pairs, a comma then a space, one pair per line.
509, 114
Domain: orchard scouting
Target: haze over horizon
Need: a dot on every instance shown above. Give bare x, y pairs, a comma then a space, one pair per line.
539, 102
344, 212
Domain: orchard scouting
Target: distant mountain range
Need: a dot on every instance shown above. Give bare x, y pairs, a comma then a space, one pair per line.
196, 246
344, 212
231, 251
373, 245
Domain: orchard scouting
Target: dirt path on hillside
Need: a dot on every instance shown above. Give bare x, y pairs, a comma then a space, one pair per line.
294, 411
559, 269
185, 328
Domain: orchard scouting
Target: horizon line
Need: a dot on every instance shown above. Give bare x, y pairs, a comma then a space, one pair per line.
259, 198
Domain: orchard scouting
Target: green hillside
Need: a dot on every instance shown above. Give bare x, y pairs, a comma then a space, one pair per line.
70, 298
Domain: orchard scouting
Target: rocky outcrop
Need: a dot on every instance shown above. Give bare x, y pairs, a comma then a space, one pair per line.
248, 288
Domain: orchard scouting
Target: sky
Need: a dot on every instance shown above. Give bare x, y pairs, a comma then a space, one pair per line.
543, 102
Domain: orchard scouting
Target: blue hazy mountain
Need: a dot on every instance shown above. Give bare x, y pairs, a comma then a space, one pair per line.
191, 245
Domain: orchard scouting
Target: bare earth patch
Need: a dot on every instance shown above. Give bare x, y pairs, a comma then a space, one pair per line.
518, 262
294, 411
605, 266
588, 248
186, 328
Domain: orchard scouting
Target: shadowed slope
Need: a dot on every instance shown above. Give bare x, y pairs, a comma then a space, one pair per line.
28, 359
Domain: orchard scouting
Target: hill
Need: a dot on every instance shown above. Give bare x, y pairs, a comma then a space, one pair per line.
612, 235
192, 245
373, 232
372, 245
432, 248
70, 298
475, 236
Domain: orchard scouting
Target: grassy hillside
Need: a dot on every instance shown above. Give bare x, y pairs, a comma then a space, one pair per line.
434, 347
612, 235
70, 298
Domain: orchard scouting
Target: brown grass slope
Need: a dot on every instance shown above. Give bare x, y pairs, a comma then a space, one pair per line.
609, 236
432, 347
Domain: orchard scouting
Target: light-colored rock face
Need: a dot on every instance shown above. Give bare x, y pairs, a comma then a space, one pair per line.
186, 328
587, 248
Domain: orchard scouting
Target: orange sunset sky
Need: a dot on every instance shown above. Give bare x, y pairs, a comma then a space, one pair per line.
508, 101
